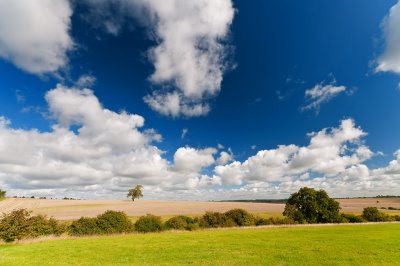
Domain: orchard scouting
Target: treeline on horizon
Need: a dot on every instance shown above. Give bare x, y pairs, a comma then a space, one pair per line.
255, 200
285, 200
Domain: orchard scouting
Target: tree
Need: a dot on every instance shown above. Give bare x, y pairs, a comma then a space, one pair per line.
2, 194
135, 193
311, 206
372, 214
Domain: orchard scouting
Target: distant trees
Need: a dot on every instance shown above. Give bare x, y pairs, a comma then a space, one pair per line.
2, 194
311, 206
135, 193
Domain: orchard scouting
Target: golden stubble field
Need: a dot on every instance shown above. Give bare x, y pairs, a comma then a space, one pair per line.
73, 209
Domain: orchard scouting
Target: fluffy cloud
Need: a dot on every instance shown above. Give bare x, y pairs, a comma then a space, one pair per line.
333, 160
321, 93
34, 35
191, 160
330, 153
390, 59
225, 157
91, 151
190, 56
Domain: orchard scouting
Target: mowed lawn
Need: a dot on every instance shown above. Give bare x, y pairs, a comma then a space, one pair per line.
325, 245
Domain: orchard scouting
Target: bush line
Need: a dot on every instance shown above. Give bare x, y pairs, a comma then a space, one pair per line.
20, 224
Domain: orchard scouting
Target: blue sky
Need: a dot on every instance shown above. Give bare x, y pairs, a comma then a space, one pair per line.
250, 82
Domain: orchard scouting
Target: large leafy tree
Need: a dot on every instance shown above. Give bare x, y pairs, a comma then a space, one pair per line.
135, 193
311, 206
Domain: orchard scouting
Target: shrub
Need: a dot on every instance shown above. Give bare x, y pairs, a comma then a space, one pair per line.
58, 227
112, 222
149, 223
20, 224
181, 222
84, 226
263, 221
372, 214
14, 226
214, 220
393, 208
2, 194
396, 218
273, 221
39, 226
311, 206
352, 218
240, 217
284, 220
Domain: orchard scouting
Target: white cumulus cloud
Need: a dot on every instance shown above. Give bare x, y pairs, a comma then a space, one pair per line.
329, 153
92, 152
34, 34
190, 56
192, 160
225, 157
390, 59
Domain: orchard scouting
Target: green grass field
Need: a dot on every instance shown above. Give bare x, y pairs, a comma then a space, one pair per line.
327, 245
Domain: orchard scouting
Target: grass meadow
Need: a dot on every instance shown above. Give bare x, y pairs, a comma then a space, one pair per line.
368, 244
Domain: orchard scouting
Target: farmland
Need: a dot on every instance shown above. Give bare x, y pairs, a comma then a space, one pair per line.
74, 209
315, 245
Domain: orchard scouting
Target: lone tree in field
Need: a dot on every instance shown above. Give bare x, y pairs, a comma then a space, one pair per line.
2, 194
135, 193
311, 206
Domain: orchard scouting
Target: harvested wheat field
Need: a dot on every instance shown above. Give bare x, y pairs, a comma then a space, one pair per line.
73, 209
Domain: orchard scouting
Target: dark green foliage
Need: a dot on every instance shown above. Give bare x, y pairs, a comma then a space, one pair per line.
84, 226
40, 226
311, 206
20, 224
273, 221
240, 217
149, 223
135, 193
112, 222
214, 220
393, 209
396, 218
58, 227
262, 221
181, 222
14, 226
2, 194
372, 214
352, 218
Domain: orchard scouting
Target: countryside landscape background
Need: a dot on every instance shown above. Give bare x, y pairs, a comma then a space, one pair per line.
201, 132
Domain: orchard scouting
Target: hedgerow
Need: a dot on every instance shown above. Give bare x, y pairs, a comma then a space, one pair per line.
20, 224
149, 223
110, 222
181, 222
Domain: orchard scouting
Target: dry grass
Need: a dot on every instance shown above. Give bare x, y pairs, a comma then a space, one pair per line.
73, 209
